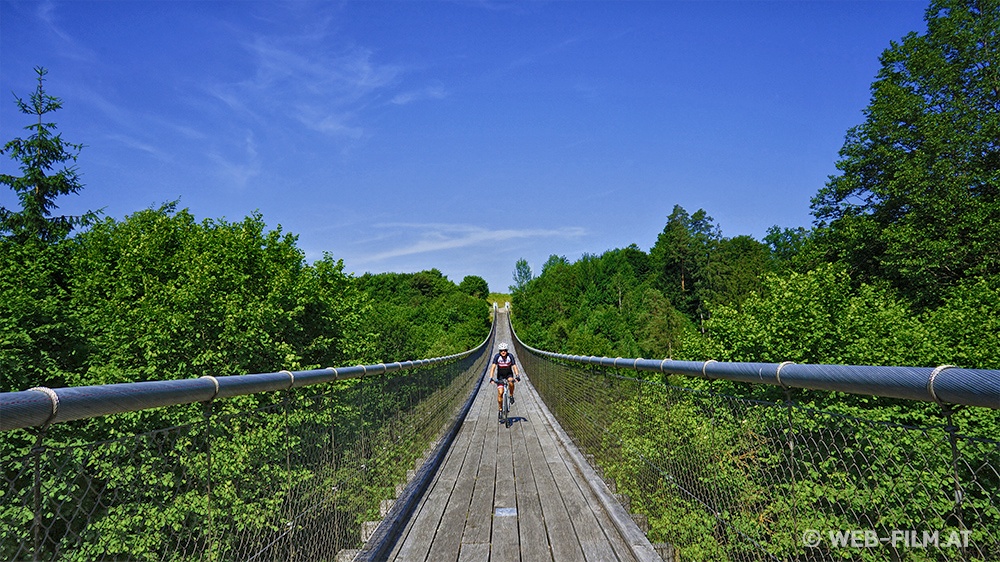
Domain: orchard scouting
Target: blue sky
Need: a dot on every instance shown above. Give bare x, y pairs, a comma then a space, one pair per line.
406, 135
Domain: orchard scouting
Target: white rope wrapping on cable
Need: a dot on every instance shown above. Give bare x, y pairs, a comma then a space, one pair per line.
53, 399
215, 381
291, 377
930, 381
777, 374
704, 367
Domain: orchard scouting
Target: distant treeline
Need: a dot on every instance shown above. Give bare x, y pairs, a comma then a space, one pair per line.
697, 295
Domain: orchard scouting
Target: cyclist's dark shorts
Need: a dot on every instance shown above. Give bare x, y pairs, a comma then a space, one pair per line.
502, 378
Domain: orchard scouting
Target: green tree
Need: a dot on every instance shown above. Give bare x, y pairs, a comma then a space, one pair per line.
41, 183
423, 314
554, 261
475, 286
522, 275
787, 245
542, 308
818, 317
40, 339
661, 327
916, 201
735, 271
162, 296
963, 329
431, 283
681, 255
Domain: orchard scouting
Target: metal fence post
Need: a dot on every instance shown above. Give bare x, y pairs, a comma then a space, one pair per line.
790, 441
206, 415
951, 430
36, 523
288, 474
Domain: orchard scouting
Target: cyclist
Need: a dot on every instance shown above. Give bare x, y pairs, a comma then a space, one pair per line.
506, 371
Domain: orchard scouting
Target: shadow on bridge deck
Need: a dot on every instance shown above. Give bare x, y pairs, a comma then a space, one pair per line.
518, 493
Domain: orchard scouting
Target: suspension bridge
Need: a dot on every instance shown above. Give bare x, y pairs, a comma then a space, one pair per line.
601, 461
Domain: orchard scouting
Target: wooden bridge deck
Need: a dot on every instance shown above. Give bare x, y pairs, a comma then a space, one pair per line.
518, 493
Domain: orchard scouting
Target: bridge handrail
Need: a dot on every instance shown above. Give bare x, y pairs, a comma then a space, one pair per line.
946, 384
42, 406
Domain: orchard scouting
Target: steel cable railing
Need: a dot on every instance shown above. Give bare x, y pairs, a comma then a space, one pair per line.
258, 467
734, 478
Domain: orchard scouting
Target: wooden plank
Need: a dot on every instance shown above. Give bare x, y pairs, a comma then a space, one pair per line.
479, 524
580, 507
448, 541
479, 552
420, 532
530, 523
505, 542
563, 543
599, 550
423, 528
620, 531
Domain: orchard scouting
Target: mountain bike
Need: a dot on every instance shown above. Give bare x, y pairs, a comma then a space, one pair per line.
505, 403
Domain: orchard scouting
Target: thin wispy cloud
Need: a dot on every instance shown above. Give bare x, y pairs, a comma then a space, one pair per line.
435, 92
328, 122
233, 101
499, 5
116, 113
72, 49
317, 85
312, 79
239, 172
438, 237
135, 144
144, 132
183, 129
151, 132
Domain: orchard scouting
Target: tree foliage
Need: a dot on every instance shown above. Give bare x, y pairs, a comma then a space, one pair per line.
160, 295
423, 314
40, 339
475, 286
522, 275
599, 305
681, 257
916, 202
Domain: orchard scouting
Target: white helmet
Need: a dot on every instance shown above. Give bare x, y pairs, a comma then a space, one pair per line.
502, 346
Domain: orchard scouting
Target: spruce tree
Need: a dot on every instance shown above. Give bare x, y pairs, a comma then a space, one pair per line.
45, 175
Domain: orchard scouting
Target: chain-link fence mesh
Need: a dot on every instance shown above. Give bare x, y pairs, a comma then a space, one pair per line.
716, 477
273, 476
